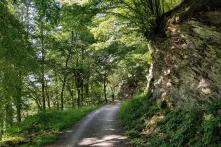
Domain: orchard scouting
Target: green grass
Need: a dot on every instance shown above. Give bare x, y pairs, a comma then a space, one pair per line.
148, 125
43, 128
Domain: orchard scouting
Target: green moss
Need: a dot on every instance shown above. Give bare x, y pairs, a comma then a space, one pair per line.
205, 32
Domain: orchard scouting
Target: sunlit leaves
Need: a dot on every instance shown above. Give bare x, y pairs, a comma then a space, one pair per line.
142, 14
71, 2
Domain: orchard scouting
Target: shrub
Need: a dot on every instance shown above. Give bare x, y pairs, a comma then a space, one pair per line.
43, 128
148, 125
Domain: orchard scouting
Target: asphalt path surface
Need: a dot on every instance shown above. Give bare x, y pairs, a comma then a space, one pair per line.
100, 128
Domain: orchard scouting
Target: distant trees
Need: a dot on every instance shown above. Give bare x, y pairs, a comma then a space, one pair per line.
46, 59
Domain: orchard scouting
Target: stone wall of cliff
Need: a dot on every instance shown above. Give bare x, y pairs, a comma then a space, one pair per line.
187, 62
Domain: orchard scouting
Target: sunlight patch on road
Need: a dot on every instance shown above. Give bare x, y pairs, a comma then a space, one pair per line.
108, 140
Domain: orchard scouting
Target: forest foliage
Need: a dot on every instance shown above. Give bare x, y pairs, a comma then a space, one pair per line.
57, 56
149, 124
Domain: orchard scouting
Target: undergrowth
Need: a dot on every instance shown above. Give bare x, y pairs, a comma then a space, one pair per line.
150, 126
43, 128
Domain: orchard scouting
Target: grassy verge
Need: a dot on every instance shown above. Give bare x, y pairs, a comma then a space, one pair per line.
43, 128
148, 125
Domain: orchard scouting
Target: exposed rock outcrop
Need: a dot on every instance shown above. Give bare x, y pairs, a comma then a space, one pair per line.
187, 63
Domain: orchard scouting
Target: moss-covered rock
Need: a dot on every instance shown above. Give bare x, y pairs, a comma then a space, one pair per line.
187, 63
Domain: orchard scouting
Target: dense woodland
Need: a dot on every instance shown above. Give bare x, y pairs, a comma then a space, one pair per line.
57, 55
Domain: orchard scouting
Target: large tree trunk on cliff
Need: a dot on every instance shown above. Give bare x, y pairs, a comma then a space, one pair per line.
186, 9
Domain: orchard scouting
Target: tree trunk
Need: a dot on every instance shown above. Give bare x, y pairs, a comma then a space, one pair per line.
18, 96
18, 105
66, 72
2, 113
72, 99
78, 86
82, 90
82, 76
1, 125
39, 105
57, 98
78, 97
186, 9
62, 92
43, 68
9, 115
48, 96
87, 88
105, 86
69, 87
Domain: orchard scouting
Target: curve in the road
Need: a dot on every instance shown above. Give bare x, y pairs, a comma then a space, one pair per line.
100, 128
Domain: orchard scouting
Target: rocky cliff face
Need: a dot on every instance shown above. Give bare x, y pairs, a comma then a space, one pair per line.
187, 63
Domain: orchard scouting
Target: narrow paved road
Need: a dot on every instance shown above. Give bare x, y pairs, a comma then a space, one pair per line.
100, 128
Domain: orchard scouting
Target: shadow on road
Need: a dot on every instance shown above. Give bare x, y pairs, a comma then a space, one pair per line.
100, 128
